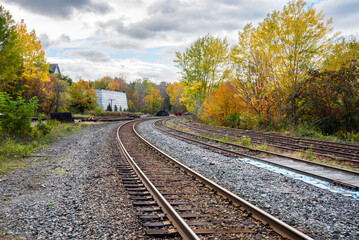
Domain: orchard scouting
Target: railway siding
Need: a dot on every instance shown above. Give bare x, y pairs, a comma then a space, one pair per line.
333, 175
326, 215
346, 153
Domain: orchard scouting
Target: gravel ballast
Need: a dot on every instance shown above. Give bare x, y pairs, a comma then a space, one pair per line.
319, 213
74, 193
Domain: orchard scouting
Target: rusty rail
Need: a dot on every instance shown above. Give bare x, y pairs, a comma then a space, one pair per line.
181, 226
279, 226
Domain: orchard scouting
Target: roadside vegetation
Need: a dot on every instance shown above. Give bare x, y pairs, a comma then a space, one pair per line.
19, 137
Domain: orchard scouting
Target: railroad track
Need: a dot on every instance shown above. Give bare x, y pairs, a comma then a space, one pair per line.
335, 176
175, 202
345, 152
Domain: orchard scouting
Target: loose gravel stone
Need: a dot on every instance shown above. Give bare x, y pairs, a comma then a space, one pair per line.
325, 215
74, 195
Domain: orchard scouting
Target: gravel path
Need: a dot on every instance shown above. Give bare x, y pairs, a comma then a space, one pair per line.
74, 195
325, 214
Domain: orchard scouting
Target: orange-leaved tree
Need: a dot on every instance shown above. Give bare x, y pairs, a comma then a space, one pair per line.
222, 103
174, 91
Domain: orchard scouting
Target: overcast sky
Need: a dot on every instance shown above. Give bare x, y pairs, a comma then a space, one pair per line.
90, 39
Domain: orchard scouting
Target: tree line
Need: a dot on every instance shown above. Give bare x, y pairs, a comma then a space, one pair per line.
291, 71
25, 76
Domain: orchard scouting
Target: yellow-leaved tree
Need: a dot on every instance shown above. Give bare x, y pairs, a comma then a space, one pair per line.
274, 58
84, 97
34, 67
174, 91
152, 101
204, 66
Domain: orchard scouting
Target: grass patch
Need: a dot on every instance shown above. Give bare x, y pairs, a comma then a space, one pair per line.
245, 141
15, 149
60, 171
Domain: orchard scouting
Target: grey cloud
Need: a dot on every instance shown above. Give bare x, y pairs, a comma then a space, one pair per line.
345, 15
192, 17
46, 42
120, 43
89, 54
62, 8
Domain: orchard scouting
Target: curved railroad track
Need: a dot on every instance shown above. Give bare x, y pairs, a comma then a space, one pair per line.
176, 202
335, 176
345, 152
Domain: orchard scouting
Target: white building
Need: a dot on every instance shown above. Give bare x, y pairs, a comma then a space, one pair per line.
105, 97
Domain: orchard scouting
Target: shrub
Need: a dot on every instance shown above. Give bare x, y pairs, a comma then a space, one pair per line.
97, 110
245, 141
17, 113
109, 108
233, 120
43, 128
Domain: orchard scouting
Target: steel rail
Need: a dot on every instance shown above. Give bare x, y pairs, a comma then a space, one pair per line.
279, 226
320, 148
177, 221
331, 181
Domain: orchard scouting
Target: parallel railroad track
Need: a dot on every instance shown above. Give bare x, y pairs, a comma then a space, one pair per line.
336, 176
345, 152
174, 201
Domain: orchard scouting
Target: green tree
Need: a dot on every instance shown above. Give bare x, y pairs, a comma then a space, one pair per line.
16, 114
10, 57
332, 98
109, 108
204, 66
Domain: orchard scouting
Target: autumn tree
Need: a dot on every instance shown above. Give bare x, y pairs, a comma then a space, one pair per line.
174, 91
10, 57
109, 83
59, 97
152, 101
204, 66
84, 97
253, 79
142, 87
332, 98
223, 102
100, 83
343, 52
113, 86
34, 67
281, 50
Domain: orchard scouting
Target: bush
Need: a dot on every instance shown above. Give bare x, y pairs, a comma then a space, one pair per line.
109, 108
245, 141
43, 128
97, 110
10, 148
17, 113
233, 121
